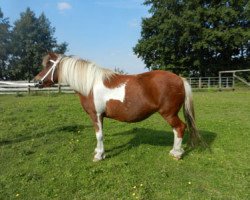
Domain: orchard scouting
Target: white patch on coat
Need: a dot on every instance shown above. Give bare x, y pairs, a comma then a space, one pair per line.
102, 94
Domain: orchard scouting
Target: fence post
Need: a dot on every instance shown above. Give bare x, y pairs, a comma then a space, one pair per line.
59, 89
220, 81
28, 89
208, 82
199, 82
233, 81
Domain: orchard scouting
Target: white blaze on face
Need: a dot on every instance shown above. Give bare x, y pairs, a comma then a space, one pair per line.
102, 94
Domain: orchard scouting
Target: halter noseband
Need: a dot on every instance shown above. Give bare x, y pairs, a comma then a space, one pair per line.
53, 68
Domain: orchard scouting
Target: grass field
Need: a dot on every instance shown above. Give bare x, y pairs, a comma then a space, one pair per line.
47, 145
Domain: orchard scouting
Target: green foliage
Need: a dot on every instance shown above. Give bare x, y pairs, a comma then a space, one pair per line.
4, 43
196, 37
119, 71
47, 145
31, 38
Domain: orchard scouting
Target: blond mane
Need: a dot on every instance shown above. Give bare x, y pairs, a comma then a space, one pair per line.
82, 75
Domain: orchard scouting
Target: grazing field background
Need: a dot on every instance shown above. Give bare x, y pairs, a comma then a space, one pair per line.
47, 145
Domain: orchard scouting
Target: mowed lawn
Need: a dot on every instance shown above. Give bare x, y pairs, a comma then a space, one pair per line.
47, 145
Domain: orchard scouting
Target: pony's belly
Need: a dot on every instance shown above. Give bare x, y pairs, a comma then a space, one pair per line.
127, 112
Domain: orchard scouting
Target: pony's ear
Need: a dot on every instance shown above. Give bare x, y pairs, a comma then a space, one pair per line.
52, 55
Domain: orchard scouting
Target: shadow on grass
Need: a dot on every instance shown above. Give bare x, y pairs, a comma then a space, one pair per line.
62, 129
154, 138
139, 136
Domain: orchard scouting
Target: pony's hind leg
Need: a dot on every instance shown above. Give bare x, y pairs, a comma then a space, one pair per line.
177, 151
178, 129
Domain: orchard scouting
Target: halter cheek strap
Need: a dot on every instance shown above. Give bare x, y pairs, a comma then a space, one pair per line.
52, 69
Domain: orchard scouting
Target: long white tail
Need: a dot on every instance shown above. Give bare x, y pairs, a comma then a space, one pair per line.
195, 137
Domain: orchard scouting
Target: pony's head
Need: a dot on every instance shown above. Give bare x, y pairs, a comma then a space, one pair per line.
49, 74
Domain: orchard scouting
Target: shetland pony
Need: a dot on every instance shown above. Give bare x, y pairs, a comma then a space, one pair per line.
127, 98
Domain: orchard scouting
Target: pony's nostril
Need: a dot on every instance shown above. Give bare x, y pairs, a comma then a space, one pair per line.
38, 83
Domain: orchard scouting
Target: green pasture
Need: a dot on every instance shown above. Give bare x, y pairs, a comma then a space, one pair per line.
47, 144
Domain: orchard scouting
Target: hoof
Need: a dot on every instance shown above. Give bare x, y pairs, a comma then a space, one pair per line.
177, 155
99, 158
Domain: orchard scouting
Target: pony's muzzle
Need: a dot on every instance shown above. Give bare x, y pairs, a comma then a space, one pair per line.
39, 84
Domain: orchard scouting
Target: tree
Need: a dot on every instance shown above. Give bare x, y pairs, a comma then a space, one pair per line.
119, 70
4, 44
193, 37
31, 38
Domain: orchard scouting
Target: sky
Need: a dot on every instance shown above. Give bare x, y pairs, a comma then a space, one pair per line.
102, 31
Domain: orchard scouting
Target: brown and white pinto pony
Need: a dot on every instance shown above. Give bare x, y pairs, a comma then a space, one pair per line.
127, 98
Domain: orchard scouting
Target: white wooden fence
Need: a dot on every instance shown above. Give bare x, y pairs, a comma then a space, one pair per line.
211, 82
24, 87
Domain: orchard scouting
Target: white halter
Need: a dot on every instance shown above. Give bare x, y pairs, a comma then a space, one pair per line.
52, 69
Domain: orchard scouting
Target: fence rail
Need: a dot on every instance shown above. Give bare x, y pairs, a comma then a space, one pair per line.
195, 82
211, 82
24, 87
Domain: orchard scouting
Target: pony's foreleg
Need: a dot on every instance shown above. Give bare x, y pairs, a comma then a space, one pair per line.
99, 150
